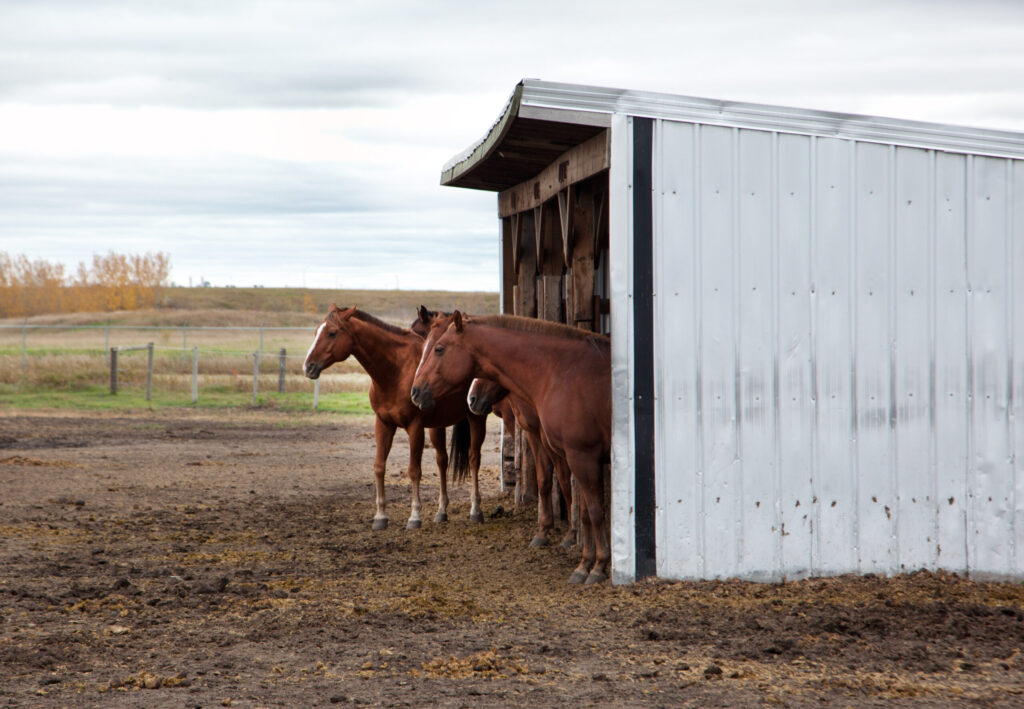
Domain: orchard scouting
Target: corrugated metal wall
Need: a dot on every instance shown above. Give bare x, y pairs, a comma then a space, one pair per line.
839, 360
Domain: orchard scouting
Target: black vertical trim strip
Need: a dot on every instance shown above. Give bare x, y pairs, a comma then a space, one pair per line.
643, 345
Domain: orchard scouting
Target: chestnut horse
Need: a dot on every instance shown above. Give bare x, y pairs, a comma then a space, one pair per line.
389, 355
486, 396
563, 372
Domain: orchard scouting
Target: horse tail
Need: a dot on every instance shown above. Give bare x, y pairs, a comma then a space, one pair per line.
458, 451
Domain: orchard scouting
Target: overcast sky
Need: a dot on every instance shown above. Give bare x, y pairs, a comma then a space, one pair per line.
301, 142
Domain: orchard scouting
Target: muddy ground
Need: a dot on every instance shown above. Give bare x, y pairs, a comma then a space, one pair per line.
190, 559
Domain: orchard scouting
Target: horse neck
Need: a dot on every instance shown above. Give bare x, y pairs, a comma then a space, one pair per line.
382, 353
512, 358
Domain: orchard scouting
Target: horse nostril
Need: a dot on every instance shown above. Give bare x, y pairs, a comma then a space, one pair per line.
472, 401
415, 393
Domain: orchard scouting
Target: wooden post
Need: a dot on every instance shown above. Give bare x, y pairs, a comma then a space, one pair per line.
525, 305
149, 370
281, 362
113, 370
316, 393
195, 375
255, 376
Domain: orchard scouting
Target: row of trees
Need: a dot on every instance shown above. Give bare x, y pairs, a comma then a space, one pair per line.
111, 282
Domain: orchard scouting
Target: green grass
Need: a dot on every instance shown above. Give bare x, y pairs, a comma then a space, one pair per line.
99, 398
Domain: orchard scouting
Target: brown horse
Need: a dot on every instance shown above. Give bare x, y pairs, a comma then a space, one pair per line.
389, 355
565, 373
486, 396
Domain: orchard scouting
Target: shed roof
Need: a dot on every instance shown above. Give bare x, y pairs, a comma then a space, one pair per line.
543, 119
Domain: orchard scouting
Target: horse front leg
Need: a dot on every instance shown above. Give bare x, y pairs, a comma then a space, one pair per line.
437, 439
477, 431
565, 483
542, 468
587, 470
415, 431
384, 434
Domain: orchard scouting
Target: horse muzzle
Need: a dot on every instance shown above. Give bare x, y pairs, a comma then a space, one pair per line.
479, 405
312, 370
423, 397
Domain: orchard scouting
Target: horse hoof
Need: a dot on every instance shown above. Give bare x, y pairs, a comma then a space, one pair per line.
441, 517
577, 578
379, 524
477, 517
539, 541
413, 524
567, 543
595, 577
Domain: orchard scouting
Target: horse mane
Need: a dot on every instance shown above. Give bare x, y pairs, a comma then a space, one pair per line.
377, 322
542, 327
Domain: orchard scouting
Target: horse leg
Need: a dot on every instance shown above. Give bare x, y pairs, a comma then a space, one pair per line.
582, 570
565, 484
542, 468
477, 430
437, 439
587, 469
415, 431
384, 434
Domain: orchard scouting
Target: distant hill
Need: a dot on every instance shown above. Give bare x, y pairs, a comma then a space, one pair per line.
276, 306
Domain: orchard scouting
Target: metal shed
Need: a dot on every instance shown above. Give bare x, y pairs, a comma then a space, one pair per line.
817, 324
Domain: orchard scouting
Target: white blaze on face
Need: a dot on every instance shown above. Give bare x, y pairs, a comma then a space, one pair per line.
423, 358
316, 338
472, 391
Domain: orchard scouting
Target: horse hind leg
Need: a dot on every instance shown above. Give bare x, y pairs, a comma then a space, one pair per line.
582, 571
477, 431
542, 468
437, 439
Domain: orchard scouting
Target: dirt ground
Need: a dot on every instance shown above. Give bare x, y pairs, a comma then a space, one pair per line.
196, 559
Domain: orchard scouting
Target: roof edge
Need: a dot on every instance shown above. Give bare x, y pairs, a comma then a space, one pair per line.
483, 148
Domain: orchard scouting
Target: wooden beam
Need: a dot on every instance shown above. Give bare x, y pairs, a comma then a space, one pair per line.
579, 163
508, 265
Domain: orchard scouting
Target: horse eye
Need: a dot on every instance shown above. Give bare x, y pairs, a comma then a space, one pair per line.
439, 349
332, 334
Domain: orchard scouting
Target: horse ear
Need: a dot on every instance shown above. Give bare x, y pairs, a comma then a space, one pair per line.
348, 313
424, 315
457, 319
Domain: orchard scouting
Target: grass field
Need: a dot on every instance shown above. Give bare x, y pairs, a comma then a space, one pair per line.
61, 360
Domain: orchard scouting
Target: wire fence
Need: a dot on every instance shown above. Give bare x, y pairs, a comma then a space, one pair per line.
115, 356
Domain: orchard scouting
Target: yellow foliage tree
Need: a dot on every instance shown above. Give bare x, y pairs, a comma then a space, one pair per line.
113, 282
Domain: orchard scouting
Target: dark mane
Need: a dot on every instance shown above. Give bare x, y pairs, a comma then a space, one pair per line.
377, 322
543, 327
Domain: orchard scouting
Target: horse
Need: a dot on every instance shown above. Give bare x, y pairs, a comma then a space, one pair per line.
564, 372
486, 397
389, 354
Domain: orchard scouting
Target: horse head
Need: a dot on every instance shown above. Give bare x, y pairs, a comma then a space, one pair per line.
332, 343
445, 365
483, 395
424, 319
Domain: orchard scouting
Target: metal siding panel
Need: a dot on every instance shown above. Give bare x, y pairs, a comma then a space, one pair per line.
793, 355
990, 517
718, 351
1016, 277
835, 491
990, 473
873, 330
758, 557
951, 395
675, 340
915, 517
620, 240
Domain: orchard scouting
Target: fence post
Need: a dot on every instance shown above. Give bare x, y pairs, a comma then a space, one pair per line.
255, 376
195, 375
316, 393
113, 370
280, 370
149, 370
